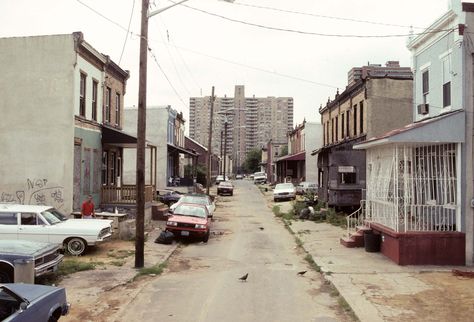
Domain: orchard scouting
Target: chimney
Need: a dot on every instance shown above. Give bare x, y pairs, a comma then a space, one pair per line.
392, 63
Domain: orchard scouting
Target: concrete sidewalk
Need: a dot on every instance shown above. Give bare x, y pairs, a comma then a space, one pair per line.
379, 290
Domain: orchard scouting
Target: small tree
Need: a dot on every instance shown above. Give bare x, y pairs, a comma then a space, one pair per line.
253, 160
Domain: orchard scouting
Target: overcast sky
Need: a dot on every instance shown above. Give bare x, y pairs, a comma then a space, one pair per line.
198, 50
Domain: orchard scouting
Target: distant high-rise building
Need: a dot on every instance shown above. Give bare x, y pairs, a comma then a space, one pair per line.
251, 122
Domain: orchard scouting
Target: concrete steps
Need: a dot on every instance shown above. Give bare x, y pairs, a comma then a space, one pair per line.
355, 239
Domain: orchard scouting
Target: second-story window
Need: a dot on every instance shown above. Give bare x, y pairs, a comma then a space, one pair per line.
94, 100
355, 120
337, 130
82, 95
108, 98
425, 85
117, 109
447, 81
361, 117
348, 114
342, 126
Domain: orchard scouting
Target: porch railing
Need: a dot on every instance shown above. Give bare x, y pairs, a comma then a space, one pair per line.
355, 219
125, 194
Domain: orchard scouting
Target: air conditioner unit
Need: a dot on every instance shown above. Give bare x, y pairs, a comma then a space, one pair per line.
423, 109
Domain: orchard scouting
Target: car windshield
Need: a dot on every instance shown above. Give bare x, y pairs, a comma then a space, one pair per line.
189, 210
195, 199
52, 216
284, 186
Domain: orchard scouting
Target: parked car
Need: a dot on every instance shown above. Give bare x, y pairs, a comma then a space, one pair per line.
225, 187
169, 197
196, 198
190, 220
46, 257
41, 223
284, 191
30, 302
306, 187
220, 178
239, 176
259, 177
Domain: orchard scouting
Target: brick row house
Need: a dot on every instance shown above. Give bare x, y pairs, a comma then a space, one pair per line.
376, 99
62, 115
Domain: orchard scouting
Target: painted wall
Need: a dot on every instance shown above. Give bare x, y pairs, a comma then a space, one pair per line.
313, 141
93, 73
156, 134
37, 127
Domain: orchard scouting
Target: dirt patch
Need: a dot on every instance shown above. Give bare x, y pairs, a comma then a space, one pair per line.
450, 300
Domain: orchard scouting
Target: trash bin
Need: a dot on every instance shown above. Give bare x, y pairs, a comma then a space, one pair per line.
372, 241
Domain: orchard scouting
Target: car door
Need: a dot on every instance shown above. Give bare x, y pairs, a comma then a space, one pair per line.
32, 227
8, 225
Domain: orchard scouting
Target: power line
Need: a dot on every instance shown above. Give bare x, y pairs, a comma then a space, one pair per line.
166, 76
310, 33
128, 30
325, 16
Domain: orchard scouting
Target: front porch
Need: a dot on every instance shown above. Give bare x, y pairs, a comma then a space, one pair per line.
125, 195
414, 194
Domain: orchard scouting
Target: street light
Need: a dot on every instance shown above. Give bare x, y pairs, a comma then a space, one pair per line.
141, 129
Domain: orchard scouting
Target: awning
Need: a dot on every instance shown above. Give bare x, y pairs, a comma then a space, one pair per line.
173, 148
300, 156
113, 136
445, 128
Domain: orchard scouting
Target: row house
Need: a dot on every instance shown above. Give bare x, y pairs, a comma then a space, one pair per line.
200, 156
165, 131
274, 150
420, 177
377, 99
62, 115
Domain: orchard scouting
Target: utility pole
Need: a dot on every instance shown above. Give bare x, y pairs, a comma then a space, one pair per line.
225, 144
209, 142
220, 165
141, 132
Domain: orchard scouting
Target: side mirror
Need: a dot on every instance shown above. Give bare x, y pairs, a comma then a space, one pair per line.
23, 306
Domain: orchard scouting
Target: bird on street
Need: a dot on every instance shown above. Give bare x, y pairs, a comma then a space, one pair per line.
244, 278
261, 228
301, 273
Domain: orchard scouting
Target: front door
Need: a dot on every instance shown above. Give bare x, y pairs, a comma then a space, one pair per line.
77, 178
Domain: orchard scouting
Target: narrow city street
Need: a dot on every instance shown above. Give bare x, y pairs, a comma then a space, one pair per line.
201, 282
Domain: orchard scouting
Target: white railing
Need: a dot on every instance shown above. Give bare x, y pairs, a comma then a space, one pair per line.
355, 219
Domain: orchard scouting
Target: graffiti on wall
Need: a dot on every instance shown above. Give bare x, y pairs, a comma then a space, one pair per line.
36, 192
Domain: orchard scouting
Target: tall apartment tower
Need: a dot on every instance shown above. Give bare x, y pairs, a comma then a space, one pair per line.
251, 122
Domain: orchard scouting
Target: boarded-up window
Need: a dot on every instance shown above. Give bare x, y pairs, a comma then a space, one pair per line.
86, 188
82, 95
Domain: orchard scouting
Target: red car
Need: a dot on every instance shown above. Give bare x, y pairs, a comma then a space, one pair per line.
190, 220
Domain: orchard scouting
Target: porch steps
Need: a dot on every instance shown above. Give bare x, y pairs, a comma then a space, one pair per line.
159, 211
355, 239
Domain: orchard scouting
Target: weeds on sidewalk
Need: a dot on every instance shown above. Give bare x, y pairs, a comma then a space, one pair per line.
153, 270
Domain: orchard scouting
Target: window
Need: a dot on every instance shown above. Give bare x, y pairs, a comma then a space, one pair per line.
355, 120
347, 177
108, 98
82, 95
94, 100
332, 130
447, 81
347, 123
327, 132
8, 218
342, 126
117, 109
29, 219
361, 117
337, 130
425, 83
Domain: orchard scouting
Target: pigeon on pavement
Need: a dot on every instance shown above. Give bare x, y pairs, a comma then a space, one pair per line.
244, 278
301, 273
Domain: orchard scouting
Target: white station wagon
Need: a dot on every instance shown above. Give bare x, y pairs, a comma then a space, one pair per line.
46, 224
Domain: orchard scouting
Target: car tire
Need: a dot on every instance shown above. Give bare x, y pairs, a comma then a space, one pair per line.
6, 277
231, 193
206, 236
275, 199
75, 246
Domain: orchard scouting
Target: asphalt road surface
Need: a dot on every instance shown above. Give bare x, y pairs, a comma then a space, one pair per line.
202, 282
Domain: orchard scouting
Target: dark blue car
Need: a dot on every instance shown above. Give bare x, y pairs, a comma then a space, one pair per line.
30, 302
45, 256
